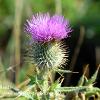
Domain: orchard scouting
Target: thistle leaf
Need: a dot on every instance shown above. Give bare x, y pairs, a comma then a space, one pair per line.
93, 78
92, 91
72, 89
63, 71
54, 86
81, 81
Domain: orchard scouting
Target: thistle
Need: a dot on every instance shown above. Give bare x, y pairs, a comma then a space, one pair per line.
46, 32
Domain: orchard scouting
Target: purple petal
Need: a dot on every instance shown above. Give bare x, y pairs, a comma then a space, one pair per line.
44, 28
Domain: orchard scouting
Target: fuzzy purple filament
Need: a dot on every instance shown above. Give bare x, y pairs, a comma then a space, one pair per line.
44, 28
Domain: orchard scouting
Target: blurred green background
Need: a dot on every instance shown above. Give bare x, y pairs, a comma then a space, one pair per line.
13, 14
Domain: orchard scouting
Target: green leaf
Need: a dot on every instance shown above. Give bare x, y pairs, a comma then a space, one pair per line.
72, 89
54, 86
92, 91
93, 78
63, 71
81, 81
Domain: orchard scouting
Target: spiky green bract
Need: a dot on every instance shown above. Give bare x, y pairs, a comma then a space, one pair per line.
84, 82
47, 55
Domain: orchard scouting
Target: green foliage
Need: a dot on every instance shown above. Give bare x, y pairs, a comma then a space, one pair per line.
35, 80
90, 90
36, 90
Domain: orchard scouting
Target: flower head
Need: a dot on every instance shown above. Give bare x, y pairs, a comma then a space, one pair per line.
46, 49
44, 28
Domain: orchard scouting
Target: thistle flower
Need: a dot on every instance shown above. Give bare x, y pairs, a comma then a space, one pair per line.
43, 28
46, 49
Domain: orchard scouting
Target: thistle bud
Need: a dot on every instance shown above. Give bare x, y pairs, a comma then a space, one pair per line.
46, 49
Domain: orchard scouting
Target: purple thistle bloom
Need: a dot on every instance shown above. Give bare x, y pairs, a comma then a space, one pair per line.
44, 28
